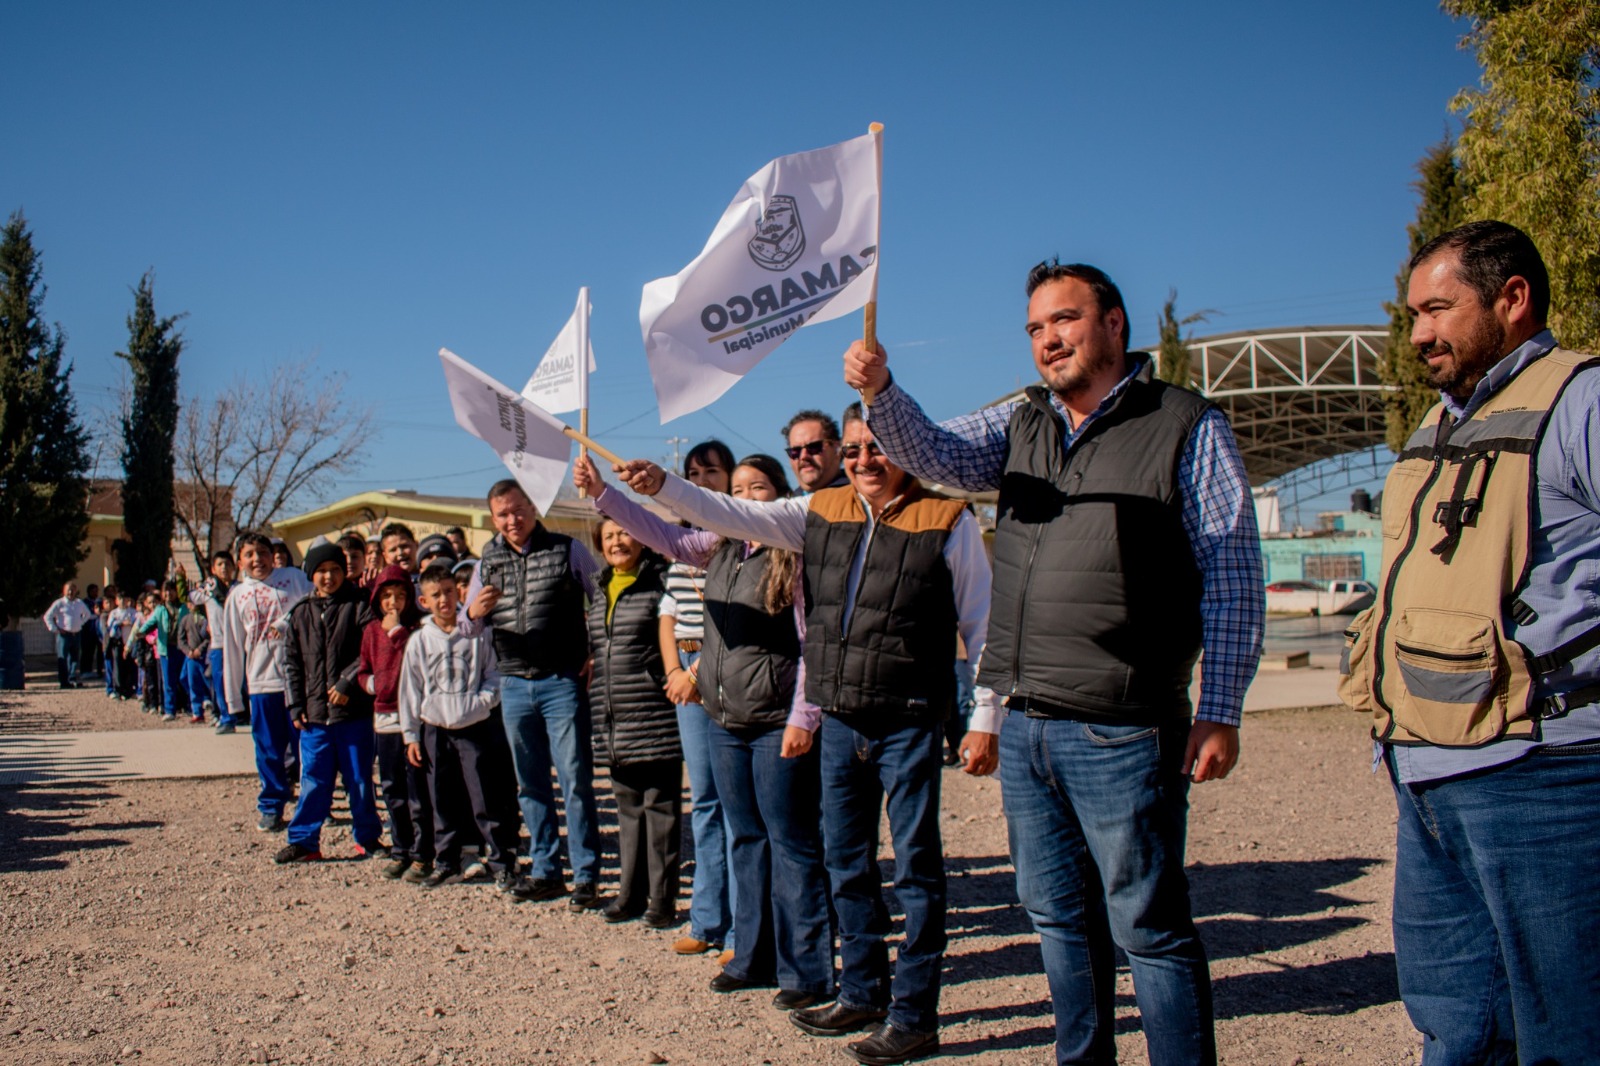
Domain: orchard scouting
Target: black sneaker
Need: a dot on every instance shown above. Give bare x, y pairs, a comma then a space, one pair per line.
442, 875
584, 897
506, 881
296, 853
272, 823
396, 868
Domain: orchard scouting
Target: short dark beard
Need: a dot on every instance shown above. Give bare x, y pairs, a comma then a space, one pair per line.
1473, 359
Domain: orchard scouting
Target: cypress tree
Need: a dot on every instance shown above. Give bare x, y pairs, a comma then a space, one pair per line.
1172, 363
1441, 208
44, 458
148, 428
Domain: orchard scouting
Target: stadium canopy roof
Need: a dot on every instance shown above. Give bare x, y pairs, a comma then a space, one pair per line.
1295, 395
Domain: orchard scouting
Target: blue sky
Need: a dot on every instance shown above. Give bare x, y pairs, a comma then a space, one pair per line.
363, 183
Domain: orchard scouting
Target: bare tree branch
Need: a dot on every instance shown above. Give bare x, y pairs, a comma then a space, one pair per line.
252, 452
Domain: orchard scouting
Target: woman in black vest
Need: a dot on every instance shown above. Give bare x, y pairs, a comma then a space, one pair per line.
747, 682
636, 727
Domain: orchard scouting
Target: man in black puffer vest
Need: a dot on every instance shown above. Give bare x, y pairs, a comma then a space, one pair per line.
1125, 544
532, 586
892, 573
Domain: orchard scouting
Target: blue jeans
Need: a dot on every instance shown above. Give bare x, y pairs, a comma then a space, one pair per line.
1497, 910
771, 805
714, 902
68, 648
194, 682
1098, 817
345, 749
171, 667
273, 735
217, 686
548, 725
860, 772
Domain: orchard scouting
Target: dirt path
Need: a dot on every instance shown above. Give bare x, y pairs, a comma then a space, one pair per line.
144, 922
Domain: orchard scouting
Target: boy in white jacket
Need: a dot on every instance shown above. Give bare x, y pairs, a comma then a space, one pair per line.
449, 716
254, 624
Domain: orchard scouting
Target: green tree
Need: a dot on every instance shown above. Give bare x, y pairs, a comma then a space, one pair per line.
1530, 146
148, 427
44, 459
1440, 208
1172, 353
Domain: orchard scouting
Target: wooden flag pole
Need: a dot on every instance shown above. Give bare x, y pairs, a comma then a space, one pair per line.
583, 372
869, 314
583, 439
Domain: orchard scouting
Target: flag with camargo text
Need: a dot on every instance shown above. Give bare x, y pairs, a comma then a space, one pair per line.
557, 384
798, 244
533, 445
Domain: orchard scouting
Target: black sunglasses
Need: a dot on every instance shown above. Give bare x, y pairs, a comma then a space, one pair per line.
852, 451
813, 449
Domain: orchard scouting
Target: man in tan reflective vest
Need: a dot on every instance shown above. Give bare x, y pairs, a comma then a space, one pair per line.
1480, 664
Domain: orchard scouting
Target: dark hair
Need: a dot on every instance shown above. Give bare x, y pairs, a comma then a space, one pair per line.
434, 576
830, 428
283, 546
777, 585
505, 487
221, 555
109, 592
90, 589
352, 543
260, 540
169, 586
458, 531
397, 529
853, 413
1106, 293
708, 452
1489, 254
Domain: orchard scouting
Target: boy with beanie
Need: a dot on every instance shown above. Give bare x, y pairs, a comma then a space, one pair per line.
404, 787
321, 659
253, 626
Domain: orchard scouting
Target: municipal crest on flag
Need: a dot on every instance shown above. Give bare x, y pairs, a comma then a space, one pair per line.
779, 239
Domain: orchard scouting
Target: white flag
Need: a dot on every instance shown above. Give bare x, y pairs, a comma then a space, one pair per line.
558, 381
799, 244
533, 445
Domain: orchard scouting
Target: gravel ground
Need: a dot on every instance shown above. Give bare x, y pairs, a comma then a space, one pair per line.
144, 922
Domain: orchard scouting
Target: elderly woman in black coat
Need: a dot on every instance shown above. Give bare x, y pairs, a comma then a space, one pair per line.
636, 727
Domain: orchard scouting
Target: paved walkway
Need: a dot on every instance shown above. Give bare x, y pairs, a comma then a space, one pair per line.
160, 753
146, 753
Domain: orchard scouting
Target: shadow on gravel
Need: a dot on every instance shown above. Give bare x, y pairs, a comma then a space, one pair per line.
1340, 986
41, 824
1274, 889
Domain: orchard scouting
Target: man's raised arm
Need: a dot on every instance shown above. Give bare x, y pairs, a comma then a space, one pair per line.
968, 452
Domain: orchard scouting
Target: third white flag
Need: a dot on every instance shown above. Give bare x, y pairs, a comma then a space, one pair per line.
798, 244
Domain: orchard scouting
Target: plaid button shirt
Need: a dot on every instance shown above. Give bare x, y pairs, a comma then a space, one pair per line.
1218, 515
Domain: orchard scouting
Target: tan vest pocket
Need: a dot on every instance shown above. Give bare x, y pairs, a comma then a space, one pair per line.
1453, 672
1355, 664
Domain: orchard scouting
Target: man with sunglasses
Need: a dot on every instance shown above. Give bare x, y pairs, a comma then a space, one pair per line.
812, 439
892, 573
1125, 545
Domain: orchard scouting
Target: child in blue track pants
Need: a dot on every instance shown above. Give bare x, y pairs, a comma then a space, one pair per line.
332, 712
254, 626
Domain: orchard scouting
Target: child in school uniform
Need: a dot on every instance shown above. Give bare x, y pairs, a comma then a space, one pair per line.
449, 709
404, 787
321, 659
